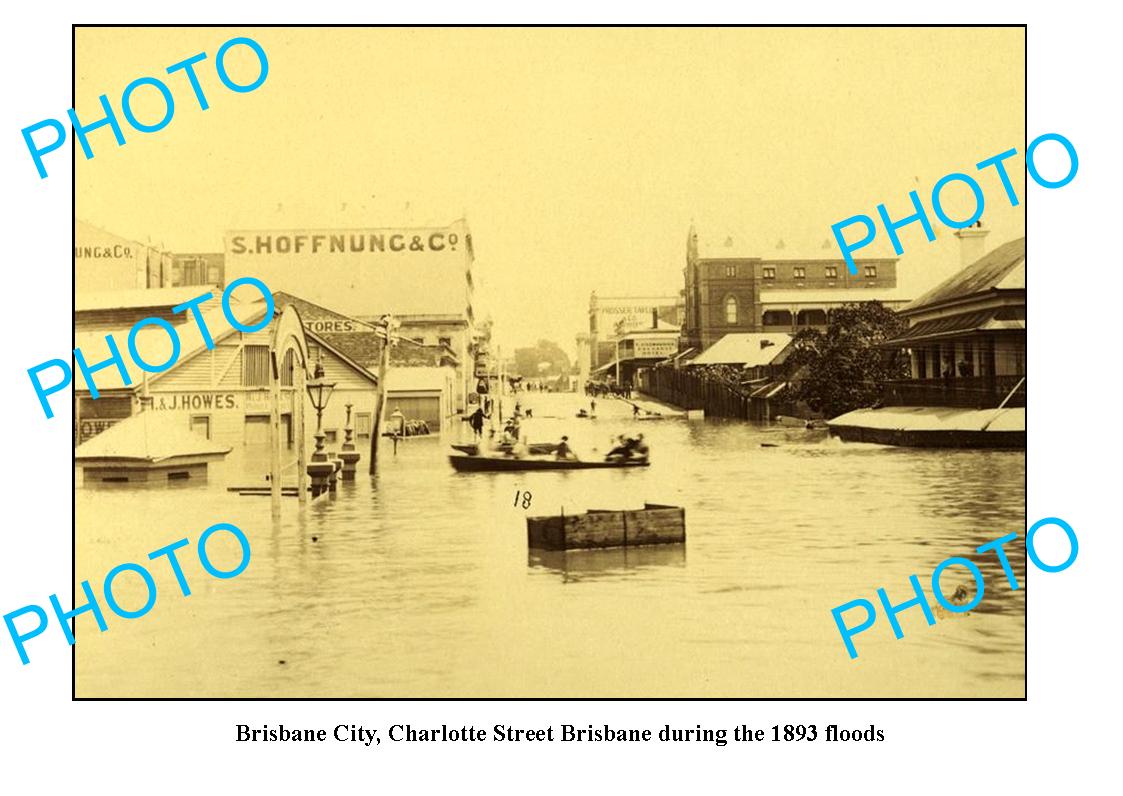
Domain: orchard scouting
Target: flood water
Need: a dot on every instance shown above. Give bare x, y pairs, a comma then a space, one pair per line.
418, 582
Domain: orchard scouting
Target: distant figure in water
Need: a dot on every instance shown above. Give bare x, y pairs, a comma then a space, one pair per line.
593, 405
476, 421
635, 410
564, 451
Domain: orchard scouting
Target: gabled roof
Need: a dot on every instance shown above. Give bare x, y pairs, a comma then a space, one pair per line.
1002, 269
750, 349
153, 345
363, 345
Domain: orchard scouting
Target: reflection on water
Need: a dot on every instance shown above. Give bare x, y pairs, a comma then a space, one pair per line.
613, 563
418, 581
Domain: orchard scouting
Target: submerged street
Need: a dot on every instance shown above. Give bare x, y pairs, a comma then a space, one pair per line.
418, 581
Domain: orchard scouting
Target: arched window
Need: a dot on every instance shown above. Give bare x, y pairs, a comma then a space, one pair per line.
730, 310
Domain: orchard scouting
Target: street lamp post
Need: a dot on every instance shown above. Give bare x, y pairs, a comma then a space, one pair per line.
389, 326
348, 454
319, 469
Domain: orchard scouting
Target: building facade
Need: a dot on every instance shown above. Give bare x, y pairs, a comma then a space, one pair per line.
204, 269
967, 336
731, 289
221, 393
422, 276
104, 261
613, 317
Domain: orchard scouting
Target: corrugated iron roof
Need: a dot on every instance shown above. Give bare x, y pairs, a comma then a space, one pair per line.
151, 437
747, 348
90, 301
994, 319
1002, 269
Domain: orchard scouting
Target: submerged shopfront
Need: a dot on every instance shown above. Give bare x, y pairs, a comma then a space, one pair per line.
221, 394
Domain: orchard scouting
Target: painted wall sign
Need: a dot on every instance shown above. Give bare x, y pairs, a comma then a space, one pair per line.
656, 348
194, 401
336, 326
361, 271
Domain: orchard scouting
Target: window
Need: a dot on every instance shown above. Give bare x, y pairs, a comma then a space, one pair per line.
201, 424
418, 340
769, 272
730, 309
362, 423
832, 272
331, 435
799, 272
287, 368
731, 271
871, 272
445, 341
255, 366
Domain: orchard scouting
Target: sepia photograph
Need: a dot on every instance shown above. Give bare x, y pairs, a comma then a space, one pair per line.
549, 362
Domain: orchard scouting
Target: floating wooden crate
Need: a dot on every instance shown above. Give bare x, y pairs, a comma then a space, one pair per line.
653, 524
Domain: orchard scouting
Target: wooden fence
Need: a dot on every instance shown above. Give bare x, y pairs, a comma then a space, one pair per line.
692, 391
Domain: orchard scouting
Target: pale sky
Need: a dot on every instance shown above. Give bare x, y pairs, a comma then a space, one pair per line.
579, 157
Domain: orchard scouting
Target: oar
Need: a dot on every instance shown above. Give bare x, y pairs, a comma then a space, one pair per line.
1002, 405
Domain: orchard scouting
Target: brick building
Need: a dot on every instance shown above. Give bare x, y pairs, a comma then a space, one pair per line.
731, 286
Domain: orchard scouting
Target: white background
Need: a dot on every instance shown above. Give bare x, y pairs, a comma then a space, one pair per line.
1062, 737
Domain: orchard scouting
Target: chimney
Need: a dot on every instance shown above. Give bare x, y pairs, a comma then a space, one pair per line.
972, 243
654, 317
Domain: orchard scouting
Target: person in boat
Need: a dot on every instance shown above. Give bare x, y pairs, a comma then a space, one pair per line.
640, 449
564, 451
582, 413
621, 450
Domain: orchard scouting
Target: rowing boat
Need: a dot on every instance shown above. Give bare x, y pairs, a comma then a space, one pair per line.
482, 464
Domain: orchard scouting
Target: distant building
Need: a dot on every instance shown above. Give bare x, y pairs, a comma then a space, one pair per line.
730, 287
199, 269
967, 336
611, 317
639, 348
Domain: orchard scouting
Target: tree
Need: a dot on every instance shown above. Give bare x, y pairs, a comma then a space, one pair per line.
529, 362
844, 368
